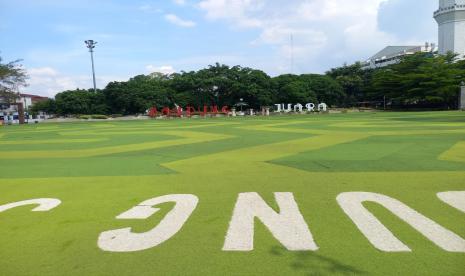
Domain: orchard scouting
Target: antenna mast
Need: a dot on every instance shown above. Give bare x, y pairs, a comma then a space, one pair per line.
292, 53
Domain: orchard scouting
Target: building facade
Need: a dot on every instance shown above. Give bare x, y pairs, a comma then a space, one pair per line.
451, 20
9, 112
392, 54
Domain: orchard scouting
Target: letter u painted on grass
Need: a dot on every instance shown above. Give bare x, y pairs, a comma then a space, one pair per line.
381, 237
123, 240
455, 199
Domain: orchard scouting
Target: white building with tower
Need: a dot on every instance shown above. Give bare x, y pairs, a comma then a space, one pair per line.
451, 19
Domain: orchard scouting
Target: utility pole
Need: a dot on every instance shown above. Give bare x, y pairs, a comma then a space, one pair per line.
91, 45
462, 96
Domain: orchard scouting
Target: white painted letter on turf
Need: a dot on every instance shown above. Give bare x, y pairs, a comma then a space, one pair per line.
123, 240
454, 199
45, 204
310, 107
288, 226
381, 237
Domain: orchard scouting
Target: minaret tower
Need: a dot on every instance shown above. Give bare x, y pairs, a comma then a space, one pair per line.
451, 19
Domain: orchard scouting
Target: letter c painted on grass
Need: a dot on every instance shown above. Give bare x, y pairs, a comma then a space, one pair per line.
123, 240
45, 204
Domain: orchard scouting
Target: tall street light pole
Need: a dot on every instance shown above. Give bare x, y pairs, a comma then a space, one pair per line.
462, 96
91, 45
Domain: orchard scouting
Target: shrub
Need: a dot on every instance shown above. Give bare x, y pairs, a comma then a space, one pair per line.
99, 117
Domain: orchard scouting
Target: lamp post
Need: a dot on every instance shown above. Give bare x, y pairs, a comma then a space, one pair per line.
462, 96
91, 45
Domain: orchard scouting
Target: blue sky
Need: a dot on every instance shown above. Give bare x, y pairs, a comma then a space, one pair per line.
139, 37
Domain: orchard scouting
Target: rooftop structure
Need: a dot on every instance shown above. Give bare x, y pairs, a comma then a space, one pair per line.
26, 99
392, 54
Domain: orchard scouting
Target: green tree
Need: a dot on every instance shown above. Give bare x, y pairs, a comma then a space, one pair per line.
326, 89
223, 85
258, 88
421, 80
80, 102
293, 89
308, 88
138, 94
48, 106
355, 81
12, 76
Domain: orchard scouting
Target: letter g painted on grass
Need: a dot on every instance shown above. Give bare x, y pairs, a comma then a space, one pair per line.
123, 240
45, 204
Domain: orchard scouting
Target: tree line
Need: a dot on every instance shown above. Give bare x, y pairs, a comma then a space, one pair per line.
421, 80
218, 85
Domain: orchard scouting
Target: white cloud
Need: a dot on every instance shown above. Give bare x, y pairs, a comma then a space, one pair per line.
282, 35
165, 69
322, 29
43, 71
237, 11
47, 81
150, 9
179, 2
174, 19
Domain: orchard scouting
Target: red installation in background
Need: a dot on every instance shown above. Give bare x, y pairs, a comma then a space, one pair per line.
188, 112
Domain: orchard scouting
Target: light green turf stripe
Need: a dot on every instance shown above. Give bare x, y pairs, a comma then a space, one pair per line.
249, 158
271, 128
32, 128
52, 141
454, 176
106, 125
455, 153
54, 129
400, 125
138, 130
186, 138
371, 133
418, 132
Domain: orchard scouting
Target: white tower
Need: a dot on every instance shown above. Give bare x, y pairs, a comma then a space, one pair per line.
451, 19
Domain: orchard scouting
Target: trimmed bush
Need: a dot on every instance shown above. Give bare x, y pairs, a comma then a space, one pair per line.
99, 117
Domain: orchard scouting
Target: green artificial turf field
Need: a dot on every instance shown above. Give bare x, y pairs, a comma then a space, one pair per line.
99, 170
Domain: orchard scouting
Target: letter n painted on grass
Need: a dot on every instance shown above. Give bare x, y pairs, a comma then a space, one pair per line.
288, 226
123, 240
381, 237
